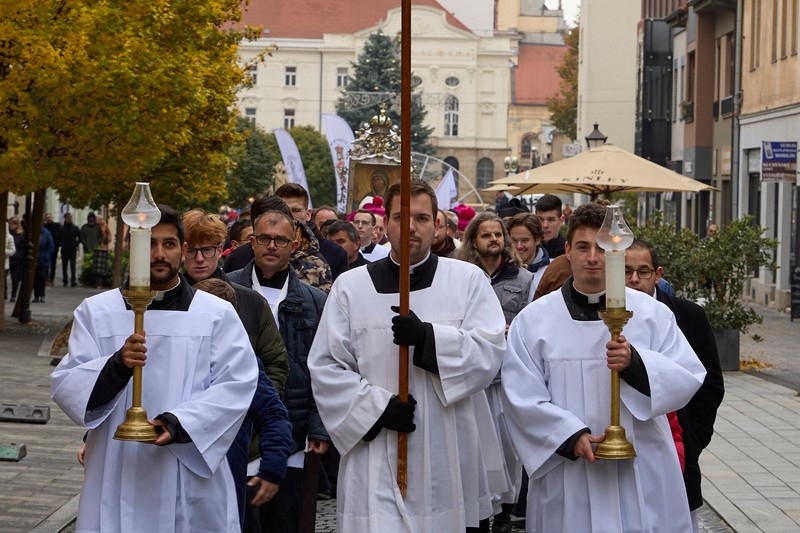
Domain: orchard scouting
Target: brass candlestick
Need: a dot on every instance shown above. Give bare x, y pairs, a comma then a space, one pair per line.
615, 445
136, 427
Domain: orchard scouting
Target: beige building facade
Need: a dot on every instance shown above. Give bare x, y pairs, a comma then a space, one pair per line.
464, 79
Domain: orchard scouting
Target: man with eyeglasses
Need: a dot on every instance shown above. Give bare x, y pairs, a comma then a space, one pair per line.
557, 392
642, 273
297, 308
202, 251
307, 259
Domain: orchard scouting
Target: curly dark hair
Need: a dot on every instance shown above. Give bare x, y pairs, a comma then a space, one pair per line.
589, 215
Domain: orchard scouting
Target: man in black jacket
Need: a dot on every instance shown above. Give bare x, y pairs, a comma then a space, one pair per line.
68, 239
52, 226
642, 273
297, 308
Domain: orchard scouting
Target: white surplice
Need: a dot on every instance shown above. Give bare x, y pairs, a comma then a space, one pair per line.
556, 382
201, 368
454, 460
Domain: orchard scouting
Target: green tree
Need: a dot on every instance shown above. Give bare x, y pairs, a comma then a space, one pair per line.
254, 163
714, 270
316, 157
97, 95
563, 106
376, 79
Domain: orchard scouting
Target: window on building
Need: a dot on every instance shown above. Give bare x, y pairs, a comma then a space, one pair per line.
416, 81
690, 76
775, 31
675, 85
793, 27
290, 77
341, 77
452, 81
252, 73
451, 117
730, 64
288, 118
250, 115
755, 32
485, 172
525, 149
452, 162
784, 27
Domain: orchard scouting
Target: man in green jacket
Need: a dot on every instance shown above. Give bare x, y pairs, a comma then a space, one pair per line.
202, 251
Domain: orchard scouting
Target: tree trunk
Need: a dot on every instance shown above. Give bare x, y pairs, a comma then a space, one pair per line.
119, 246
4, 225
33, 229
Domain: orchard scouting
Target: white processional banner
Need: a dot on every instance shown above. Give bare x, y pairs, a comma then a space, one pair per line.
291, 160
446, 191
340, 140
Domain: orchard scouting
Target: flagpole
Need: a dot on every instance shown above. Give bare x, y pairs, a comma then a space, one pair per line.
405, 217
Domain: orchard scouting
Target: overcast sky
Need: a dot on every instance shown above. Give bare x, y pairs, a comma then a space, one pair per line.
570, 8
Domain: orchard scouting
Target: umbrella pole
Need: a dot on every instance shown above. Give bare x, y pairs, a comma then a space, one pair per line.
405, 217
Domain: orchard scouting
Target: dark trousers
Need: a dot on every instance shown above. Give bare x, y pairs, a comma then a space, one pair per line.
53, 266
40, 280
68, 257
282, 513
16, 278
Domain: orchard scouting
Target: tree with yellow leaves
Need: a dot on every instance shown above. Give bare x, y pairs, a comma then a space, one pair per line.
96, 95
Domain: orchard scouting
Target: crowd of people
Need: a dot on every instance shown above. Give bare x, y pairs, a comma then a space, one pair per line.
64, 239
271, 346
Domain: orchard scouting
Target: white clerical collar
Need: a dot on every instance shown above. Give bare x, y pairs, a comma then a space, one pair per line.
592, 298
412, 266
281, 294
160, 294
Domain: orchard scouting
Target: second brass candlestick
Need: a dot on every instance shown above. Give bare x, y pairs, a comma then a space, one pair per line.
615, 445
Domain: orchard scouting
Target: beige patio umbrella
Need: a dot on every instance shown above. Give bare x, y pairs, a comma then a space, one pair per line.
602, 170
501, 187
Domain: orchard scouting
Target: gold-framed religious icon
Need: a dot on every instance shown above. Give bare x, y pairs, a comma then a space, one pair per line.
374, 160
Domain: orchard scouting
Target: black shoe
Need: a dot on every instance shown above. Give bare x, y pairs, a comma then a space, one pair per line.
74, 284
502, 522
35, 301
41, 300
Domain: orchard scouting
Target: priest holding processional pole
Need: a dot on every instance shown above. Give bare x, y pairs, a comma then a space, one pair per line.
564, 380
400, 362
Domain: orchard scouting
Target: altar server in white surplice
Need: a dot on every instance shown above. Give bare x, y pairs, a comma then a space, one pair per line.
455, 335
199, 379
556, 390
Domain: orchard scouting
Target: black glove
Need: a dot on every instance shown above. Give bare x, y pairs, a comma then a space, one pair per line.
408, 330
398, 416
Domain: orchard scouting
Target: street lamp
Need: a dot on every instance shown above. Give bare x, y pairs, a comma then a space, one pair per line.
596, 138
510, 165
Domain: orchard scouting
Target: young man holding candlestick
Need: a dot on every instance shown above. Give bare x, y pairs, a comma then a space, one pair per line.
198, 377
557, 397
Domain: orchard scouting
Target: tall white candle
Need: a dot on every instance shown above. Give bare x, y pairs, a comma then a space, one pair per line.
139, 262
615, 279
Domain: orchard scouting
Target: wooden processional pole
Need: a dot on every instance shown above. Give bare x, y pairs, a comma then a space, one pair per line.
405, 217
